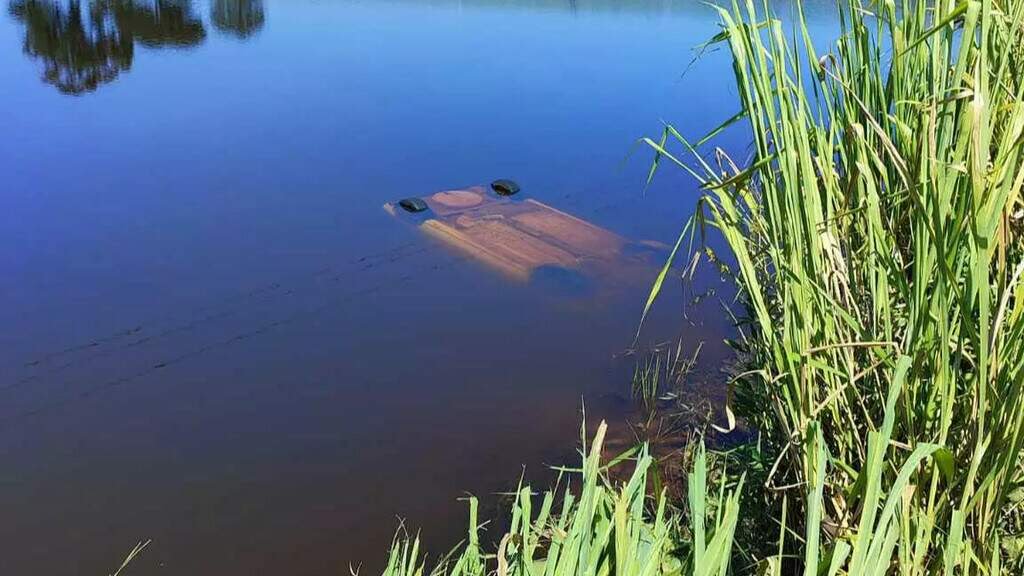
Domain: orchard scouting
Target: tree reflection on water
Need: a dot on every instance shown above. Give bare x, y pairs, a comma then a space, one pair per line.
241, 18
84, 45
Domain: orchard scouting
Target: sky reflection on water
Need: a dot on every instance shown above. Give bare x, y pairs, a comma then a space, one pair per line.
214, 336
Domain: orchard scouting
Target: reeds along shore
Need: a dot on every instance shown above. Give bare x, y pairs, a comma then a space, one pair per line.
875, 238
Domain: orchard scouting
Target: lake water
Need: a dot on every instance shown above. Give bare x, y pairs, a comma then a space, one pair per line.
215, 338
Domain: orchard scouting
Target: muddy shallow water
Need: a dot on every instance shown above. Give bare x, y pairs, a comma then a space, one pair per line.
214, 337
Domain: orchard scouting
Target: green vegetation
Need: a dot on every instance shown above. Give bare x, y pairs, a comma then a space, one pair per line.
875, 238
656, 378
876, 241
597, 530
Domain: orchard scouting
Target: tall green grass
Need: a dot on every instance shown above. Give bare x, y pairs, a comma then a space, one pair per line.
593, 528
876, 240
596, 527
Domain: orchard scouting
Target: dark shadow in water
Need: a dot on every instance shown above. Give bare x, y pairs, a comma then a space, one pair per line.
84, 47
239, 18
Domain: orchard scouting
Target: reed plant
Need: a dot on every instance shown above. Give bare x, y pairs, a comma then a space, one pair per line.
597, 527
875, 236
594, 528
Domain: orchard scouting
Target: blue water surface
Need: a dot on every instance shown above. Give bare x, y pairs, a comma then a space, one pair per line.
215, 338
